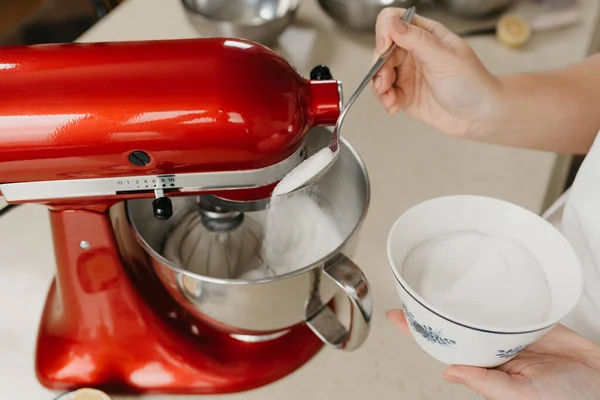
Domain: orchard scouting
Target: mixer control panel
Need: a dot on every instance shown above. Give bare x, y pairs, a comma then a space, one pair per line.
164, 182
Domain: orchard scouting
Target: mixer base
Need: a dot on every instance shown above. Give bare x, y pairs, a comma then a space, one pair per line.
98, 331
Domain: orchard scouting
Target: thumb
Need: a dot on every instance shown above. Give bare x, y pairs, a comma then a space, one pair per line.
489, 383
427, 40
416, 40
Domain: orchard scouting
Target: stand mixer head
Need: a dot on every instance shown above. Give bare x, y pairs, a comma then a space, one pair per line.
85, 124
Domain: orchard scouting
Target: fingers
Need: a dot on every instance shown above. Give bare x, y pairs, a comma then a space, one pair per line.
390, 15
438, 30
399, 320
397, 105
425, 40
386, 76
384, 79
392, 100
489, 383
393, 90
423, 37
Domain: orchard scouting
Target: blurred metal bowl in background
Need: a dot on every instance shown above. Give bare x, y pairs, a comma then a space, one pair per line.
360, 14
261, 21
476, 8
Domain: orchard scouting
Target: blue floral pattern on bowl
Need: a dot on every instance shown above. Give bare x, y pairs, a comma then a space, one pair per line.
428, 333
512, 352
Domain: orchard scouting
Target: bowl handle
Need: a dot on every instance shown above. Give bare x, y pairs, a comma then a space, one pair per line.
323, 321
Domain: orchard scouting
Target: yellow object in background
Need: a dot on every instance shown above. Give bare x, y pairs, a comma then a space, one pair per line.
512, 30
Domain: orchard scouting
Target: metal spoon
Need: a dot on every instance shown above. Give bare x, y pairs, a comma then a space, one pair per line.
334, 144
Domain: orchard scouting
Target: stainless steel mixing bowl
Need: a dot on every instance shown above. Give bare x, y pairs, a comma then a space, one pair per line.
261, 21
263, 307
360, 14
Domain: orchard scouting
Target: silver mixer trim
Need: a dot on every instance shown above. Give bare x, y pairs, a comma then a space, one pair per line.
341, 94
192, 182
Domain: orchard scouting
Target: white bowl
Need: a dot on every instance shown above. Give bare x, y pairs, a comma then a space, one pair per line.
455, 341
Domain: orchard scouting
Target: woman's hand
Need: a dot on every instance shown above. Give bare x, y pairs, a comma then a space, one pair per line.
433, 75
560, 366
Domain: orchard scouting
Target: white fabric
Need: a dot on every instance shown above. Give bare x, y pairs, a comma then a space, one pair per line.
577, 215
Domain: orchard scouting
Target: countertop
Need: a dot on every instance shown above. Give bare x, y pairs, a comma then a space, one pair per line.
407, 163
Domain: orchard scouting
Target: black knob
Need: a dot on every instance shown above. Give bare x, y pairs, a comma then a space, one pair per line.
163, 208
320, 73
139, 158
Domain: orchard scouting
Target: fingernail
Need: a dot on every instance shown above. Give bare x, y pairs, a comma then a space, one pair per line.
453, 379
377, 82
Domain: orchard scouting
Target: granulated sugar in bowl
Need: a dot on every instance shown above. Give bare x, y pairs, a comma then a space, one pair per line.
480, 279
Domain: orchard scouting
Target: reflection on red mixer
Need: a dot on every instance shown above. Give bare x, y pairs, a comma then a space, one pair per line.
86, 126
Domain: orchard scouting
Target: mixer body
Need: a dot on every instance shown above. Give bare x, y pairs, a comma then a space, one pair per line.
84, 128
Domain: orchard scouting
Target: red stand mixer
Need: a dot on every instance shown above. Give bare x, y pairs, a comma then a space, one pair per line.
112, 136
